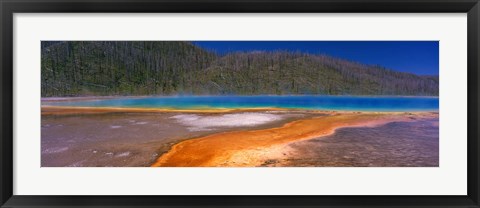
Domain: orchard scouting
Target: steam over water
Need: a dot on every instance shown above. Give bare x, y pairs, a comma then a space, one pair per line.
138, 139
354, 103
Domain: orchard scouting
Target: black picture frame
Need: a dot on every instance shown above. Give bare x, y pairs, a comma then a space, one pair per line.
9, 7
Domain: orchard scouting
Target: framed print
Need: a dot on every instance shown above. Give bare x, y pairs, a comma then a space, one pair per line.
247, 104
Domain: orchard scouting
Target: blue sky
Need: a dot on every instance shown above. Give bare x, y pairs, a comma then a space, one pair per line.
418, 57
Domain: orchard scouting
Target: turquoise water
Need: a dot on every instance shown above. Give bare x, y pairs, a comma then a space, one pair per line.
350, 103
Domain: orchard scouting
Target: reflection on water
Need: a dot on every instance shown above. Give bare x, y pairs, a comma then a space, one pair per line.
397, 144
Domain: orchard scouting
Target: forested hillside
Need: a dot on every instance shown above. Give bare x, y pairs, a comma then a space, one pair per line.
171, 68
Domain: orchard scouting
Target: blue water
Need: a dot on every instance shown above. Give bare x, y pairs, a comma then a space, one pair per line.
350, 103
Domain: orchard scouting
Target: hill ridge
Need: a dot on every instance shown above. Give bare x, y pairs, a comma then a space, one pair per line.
78, 68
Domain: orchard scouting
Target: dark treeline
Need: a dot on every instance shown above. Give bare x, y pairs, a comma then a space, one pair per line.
77, 68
